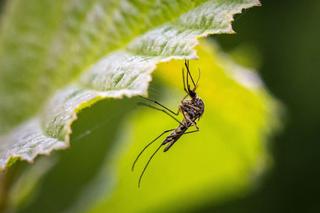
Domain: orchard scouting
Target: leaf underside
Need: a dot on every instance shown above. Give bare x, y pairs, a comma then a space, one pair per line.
58, 57
219, 162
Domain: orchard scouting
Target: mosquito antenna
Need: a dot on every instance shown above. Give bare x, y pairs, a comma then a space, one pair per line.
184, 81
187, 80
198, 77
135, 161
146, 166
186, 63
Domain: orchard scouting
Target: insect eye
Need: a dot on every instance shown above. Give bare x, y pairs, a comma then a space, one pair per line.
192, 93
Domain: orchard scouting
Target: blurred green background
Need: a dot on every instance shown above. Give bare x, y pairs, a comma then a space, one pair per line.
286, 33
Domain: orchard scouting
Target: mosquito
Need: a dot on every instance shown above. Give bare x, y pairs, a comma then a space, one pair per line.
191, 107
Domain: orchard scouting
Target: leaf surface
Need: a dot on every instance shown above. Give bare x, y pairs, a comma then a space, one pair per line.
223, 160
58, 57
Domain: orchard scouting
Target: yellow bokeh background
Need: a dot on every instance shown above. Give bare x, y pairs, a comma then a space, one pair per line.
219, 162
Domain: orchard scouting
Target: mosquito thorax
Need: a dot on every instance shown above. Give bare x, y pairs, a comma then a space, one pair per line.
199, 104
193, 107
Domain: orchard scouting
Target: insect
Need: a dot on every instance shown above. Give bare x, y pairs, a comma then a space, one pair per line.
191, 107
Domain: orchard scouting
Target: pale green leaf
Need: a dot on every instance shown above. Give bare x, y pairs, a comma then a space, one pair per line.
223, 160
58, 57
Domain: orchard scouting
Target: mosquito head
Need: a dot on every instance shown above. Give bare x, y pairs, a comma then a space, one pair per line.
192, 93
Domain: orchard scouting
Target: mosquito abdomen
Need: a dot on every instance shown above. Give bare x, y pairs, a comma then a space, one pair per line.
174, 136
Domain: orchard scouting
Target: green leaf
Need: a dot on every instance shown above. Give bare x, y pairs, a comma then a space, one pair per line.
58, 57
222, 160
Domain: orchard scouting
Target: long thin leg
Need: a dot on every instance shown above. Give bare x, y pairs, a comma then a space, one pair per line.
197, 130
171, 144
146, 166
185, 97
155, 152
162, 110
135, 161
189, 120
156, 102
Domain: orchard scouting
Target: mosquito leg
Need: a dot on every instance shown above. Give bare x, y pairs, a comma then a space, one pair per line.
184, 97
162, 110
135, 161
189, 120
171, 144
195, 124
146, 166
193, 131
161, 105
155, 152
